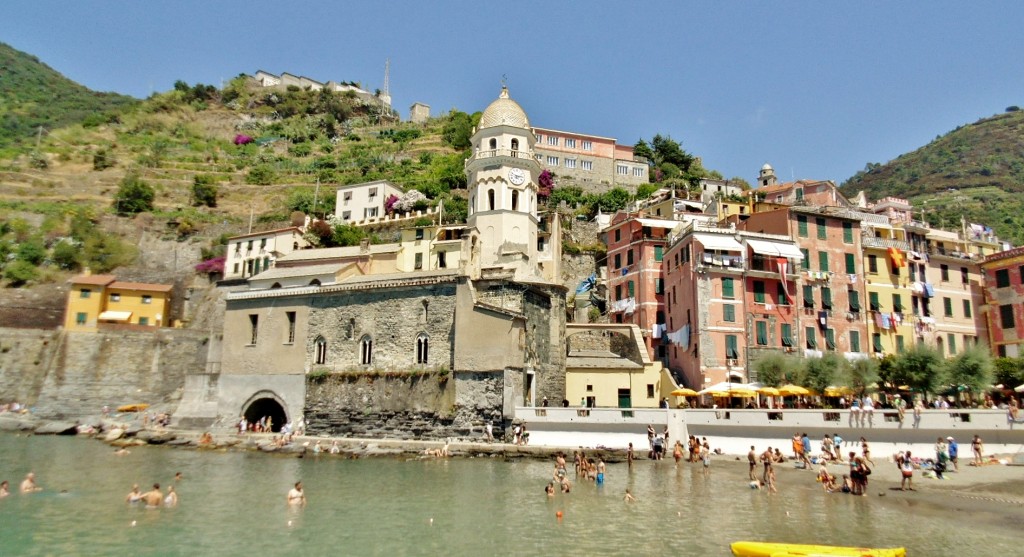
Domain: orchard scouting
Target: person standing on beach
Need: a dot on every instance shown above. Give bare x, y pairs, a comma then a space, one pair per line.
805, 444
954, 453
650, 436
767, 458
752, 461
630, 457
907, 472
977, 448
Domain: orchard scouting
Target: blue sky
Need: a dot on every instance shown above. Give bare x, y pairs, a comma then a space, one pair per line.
818, 89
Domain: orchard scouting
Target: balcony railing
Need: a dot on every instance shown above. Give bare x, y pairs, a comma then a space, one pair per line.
491, 153
720, 260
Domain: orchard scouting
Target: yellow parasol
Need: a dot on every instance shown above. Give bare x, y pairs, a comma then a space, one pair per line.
744, 393
768, 391
838, 391
683, 391
791, 390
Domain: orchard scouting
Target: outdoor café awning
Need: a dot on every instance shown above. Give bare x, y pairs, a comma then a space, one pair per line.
718, 242
115, 316
775, 249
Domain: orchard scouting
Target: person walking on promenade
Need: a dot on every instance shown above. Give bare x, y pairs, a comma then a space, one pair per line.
918, 409
901, 407
977, 448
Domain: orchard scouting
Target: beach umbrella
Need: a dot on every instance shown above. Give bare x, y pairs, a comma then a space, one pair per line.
1019, 389
683, 391
768, 391
792, 390
838, 391
740, 392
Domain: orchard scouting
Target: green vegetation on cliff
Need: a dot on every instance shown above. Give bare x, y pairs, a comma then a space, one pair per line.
976, 171
33, 94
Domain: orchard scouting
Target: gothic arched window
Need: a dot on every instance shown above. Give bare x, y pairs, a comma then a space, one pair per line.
422, 347
515, 201
490, 200
366, 350
320, 350
494, 143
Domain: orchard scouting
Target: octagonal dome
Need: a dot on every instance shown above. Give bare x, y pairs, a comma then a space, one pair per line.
504, 112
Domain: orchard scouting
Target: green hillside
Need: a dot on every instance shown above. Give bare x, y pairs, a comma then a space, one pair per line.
33, 94
976, 171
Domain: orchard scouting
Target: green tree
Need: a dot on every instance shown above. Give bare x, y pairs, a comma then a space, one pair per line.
448, 171
103, 252
772, 368
347, 235
739, 181
822, 372
302, 199
204, 190
261, 175
613, 200
642, 149
457, 130
133, 196
921, 367
456, 208
643, 191
972, 368
1009, 371
20, 272
861, 373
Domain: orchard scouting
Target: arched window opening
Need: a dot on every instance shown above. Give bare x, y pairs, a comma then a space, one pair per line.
422, 347
320, 347
295, 246
490, 200
366, 350
275, 285
352, 328
515, 145
494, 143
314, 282
515, 201
426, 309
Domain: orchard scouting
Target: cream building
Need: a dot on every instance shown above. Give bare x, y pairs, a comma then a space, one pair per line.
363, 202
251, 254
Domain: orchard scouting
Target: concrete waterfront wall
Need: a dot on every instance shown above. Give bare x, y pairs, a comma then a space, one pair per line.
735, 430
67, 374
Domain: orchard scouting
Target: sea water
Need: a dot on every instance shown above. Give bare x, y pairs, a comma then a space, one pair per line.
233, 503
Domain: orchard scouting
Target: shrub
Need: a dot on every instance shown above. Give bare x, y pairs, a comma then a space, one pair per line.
204, 190
133, 196
261, 175
65, 254
20, 272
301, 149
32, 251
102, 160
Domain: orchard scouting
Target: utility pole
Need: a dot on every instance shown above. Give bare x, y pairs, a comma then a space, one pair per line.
251, 209
316, 195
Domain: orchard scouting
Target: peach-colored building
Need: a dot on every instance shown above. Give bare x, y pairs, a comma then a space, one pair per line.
590, 159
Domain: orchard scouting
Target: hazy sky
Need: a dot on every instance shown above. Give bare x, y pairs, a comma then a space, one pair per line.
818, 89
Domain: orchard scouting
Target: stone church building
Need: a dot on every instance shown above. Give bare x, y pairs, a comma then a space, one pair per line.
364, 350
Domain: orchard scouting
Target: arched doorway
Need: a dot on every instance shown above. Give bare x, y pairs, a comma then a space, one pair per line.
266, 405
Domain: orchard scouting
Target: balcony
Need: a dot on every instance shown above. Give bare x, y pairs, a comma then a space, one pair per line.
709, 259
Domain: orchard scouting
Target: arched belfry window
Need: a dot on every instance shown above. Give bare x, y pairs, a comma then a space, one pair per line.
490, 200
515, 201
366, 350
515, 145
494, 143
320, 350
422, 348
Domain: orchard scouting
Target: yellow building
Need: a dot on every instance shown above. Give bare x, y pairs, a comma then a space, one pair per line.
596, 375
430, 248
98, 299
890, 320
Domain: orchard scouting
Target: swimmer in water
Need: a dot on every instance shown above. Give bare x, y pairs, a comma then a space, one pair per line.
28, 485
550, 489
171, 500
629, 497
154, 497
134, 496
178, 477
122, 451
296, 496
5, 489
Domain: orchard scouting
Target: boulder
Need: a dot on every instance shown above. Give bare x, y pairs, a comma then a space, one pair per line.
17, 424
113, 435
57, 428
155, 437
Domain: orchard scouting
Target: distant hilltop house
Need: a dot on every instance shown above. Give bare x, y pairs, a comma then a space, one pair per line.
598, 163
249, 254
419, 113
267, 79
98, 300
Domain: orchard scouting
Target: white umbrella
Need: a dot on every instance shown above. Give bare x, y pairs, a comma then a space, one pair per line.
1019, 389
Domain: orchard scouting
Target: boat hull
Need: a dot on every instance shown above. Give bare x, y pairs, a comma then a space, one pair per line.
763, 549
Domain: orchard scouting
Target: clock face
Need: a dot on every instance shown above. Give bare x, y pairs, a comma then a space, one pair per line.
516, 176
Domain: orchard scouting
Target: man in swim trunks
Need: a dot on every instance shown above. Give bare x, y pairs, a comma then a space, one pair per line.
977, 447
600, 471
154, 497
296, 496
752, 461
767, 458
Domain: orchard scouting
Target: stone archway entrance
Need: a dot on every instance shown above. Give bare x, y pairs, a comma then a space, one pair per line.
266, 405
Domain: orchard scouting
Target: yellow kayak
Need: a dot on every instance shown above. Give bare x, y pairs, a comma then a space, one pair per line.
762, 549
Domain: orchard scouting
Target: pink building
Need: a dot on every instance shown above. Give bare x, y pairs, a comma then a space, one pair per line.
597, 162
1004, 302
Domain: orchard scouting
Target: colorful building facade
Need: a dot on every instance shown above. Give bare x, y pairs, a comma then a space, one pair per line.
95, 300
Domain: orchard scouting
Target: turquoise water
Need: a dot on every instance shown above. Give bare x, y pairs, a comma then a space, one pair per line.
233, 503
